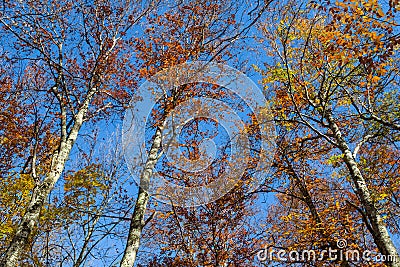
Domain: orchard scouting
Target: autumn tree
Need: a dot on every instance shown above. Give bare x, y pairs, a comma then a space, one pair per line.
75, 56
333, 71
194, 31
86, 211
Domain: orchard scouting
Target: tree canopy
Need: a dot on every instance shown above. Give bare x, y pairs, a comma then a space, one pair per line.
298, 153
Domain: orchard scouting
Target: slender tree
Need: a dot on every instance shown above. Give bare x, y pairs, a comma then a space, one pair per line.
76, 56
334, 70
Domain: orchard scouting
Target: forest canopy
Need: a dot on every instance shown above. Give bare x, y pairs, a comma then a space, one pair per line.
269, 136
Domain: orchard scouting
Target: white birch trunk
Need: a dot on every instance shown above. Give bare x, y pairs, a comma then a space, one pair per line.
41, 191
380, 232
137, 220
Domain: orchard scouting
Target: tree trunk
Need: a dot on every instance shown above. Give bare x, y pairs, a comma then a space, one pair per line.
380, 232
137, 220
42, 191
